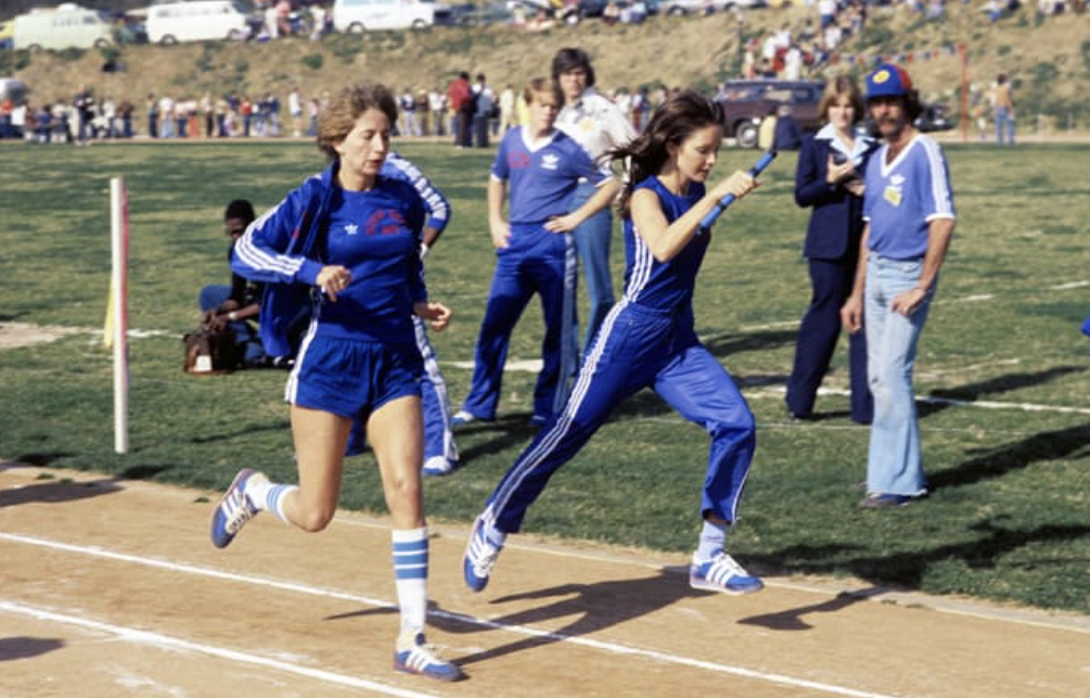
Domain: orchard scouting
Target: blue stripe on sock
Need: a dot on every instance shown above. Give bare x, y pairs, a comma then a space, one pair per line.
411, 559
420, 558
420, 572
272, 498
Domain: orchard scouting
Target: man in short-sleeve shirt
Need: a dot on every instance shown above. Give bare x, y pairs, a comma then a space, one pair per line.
908, 209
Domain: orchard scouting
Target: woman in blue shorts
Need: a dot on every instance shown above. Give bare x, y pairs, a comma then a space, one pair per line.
648, 340
349, 237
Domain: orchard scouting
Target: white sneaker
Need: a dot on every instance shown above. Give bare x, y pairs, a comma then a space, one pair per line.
414, 656
722, 573
438, 466
234, 508
461, 418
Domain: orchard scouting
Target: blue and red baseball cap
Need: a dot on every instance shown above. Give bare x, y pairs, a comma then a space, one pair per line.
888, 80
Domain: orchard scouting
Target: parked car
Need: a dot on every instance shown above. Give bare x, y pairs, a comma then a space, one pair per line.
198, 20
66, 26
676, 8
746, 103
358, 16
935, 117
471, 14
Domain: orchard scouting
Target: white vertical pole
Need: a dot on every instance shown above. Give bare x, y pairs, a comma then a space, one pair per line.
119, 239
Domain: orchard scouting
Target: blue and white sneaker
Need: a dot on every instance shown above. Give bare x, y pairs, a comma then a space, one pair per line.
414, 656
722, 574
234, 509
461, 418
438, 466
479, 558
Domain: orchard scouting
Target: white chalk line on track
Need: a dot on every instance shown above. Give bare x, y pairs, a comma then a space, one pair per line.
609, 647
144, 637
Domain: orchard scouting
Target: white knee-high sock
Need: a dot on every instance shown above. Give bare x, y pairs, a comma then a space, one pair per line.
269, 496
410, 548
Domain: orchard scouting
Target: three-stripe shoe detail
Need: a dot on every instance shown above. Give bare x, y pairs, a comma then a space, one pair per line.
722, 573
480, 557
414, 656
234, 509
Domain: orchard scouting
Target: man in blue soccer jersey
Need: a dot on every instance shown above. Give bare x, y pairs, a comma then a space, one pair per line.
540, 167
908, 209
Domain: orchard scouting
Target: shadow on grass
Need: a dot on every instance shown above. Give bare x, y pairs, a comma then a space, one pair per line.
1000, 384
42, 459
596, 606
280, 426
908, 569
22, 647
144, 472
726, 344
996, 462
501, 434
10, 317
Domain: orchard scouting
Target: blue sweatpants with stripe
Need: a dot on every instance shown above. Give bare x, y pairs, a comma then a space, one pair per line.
540, 262
638, 348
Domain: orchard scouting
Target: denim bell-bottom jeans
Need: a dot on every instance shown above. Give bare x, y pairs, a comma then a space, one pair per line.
592, 240
894, 462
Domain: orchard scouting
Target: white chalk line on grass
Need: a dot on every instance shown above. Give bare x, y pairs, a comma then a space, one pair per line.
931, 399
144, 637
609, 647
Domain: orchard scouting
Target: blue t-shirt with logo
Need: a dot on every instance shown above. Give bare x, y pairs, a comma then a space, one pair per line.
376, 234
542, 178
904, 196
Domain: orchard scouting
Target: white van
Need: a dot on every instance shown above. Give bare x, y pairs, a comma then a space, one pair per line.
357, 16
197, 20
65, 26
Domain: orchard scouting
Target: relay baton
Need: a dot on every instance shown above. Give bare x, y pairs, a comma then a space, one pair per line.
709, 220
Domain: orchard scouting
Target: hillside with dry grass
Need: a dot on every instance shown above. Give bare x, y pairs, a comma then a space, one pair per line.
1047, 57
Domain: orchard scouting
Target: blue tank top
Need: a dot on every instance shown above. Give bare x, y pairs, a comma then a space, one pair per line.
664, 286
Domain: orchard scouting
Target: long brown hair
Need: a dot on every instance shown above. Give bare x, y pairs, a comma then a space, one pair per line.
674, 120
840, 87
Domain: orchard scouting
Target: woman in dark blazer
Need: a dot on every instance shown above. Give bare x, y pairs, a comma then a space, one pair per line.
829, 180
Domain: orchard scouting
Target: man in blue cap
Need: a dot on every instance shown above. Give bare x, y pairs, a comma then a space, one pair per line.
908, 210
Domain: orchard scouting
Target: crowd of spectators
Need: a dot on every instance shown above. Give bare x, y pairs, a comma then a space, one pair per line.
789, 53
424, 112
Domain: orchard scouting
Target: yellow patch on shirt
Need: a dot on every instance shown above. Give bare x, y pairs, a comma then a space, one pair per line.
893, 195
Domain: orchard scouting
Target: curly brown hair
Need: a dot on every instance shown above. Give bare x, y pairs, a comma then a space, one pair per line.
340, 117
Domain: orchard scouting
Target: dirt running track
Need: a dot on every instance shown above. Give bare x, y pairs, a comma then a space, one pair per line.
110, 589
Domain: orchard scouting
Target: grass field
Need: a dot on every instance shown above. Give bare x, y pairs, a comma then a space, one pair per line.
1003, 370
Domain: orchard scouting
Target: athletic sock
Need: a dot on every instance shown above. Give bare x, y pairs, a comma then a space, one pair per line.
410, 548
713, 538
268, 496
274, 500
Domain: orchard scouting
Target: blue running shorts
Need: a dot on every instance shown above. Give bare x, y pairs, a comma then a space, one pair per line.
353, 378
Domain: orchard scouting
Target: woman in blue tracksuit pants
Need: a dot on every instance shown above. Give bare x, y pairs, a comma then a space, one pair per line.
648, 340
